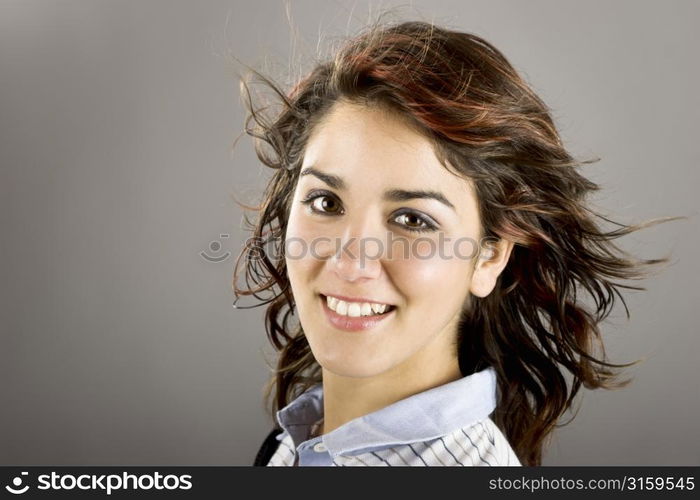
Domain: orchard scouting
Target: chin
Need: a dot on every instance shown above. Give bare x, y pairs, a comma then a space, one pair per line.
358, 369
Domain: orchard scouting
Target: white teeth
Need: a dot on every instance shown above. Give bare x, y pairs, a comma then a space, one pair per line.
378, 308
355, 309
366, 309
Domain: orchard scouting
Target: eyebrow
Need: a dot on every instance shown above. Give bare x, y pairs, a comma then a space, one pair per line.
337, 182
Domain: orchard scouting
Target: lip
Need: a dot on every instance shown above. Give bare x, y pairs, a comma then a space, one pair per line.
349, 324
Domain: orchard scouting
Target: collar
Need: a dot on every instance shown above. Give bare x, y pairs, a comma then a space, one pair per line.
421, 417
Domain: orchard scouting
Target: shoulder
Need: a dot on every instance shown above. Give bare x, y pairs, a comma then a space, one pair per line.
280, 450
478, 444
485, 444
269, 452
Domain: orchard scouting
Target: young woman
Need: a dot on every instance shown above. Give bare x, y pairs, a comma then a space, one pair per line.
433, 245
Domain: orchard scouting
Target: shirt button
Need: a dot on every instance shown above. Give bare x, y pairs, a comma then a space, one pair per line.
320, 447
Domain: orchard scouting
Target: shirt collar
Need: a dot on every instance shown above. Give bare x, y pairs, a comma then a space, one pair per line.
424, 416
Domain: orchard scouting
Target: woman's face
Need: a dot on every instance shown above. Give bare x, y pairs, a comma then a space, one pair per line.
350, 233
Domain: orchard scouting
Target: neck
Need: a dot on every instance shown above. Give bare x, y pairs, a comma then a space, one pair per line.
346, 398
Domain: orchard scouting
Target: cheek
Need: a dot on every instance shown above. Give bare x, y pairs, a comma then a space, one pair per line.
304, 230
305, 246
433, 279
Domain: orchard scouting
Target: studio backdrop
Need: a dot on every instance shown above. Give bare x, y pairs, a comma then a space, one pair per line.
121, 157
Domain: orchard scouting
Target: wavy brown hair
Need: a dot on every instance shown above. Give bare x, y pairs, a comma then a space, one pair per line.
486, 124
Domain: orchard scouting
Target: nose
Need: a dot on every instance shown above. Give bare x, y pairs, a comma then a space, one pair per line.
358, 256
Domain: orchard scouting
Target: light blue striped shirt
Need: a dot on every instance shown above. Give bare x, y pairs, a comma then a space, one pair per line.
445, 425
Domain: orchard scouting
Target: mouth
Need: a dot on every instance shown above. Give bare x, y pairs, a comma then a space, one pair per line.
354, 323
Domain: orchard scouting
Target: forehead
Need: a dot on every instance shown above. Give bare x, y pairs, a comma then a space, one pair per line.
370, 146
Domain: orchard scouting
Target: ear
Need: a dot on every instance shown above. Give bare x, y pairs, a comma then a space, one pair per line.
492, 259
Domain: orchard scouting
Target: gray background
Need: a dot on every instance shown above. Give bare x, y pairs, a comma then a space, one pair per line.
119, 344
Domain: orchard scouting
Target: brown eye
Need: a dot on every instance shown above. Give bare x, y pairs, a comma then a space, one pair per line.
415, 222
322, 203
326, 204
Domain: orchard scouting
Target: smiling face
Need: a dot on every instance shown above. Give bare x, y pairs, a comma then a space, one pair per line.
356, 230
